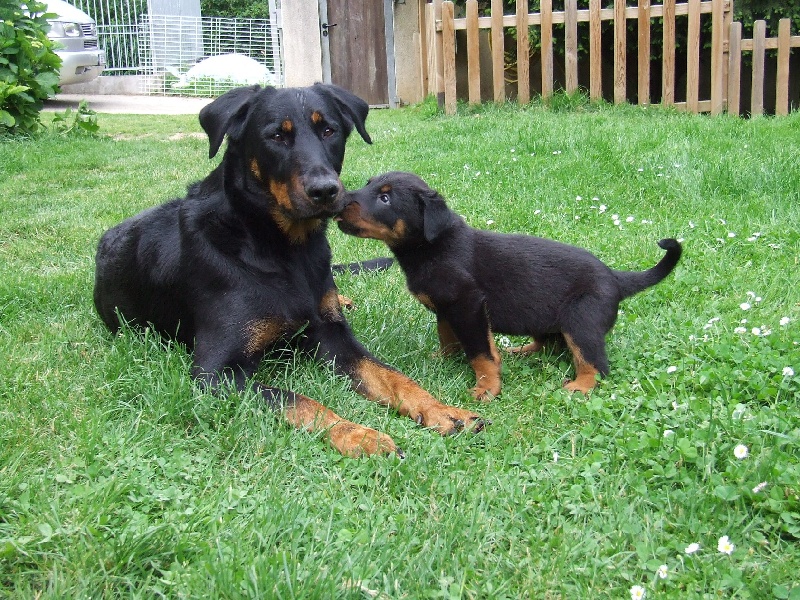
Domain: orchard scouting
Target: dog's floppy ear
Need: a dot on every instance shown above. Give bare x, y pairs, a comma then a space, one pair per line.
353, 108
435, 214
226, 114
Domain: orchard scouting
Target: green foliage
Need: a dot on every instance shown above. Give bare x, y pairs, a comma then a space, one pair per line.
246, 9
119, 479
82, 121
28, 66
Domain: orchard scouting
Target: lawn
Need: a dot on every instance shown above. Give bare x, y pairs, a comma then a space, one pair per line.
119, 479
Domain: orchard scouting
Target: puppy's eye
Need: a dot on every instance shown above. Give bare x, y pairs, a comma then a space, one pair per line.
384, 198
278, 137
328, 132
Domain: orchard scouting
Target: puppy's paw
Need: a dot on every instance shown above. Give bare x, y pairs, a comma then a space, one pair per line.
449, 420
355, 440
482, 394
346, 302
531, 348
578, 386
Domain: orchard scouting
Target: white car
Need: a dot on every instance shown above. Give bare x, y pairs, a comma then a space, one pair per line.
75, 32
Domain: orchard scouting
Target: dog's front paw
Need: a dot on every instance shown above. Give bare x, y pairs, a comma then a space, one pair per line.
449, 420
355, 440
578, 386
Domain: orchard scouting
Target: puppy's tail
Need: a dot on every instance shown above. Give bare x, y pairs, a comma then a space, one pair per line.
374, 264
632, 282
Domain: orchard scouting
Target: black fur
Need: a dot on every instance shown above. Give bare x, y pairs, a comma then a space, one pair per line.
242, 263
479, 282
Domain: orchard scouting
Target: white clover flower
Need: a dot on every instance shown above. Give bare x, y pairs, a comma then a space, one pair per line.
731, 234
751, 294
615, 217
555, 457
672, 369
759, 487
668, 432
637, 592
788, 372
578, 198
724, 545
490, 222
629, 219
741, 452
756, 331
745, 306
784, 321
640, 170
692, 548
740, 330
692, 225
663, 571
504, 341
537, 212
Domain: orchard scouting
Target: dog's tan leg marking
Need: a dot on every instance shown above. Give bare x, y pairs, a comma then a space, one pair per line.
487, 373
350, 439
531, 348
448, 342
585, 372
391, 388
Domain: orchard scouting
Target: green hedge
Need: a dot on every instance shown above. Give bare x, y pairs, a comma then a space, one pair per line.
28, 66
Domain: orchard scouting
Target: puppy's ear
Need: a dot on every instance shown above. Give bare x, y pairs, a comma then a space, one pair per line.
435, 214
353, 108
226, 114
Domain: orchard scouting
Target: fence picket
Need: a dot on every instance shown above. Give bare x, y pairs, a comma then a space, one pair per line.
734, 67
620, 52
782, 83
473, 53
571, 45
644, 52
498, 52
595, 51
546, 10
523, 54
759, 46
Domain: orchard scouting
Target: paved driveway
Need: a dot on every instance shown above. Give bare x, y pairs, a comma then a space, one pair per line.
133, 105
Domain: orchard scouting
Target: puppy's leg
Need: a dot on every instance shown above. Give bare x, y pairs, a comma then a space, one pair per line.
333, 341
448, 342
214, 369
469, 321
589, 356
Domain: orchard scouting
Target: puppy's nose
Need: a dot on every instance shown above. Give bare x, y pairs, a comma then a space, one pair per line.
322, 190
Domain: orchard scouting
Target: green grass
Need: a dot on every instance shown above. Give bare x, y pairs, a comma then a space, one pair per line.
118, 479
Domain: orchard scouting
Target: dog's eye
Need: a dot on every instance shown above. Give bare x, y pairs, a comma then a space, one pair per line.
384, 198
327, 132
278, 137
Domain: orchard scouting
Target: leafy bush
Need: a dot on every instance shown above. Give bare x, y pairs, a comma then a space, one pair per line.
28, 65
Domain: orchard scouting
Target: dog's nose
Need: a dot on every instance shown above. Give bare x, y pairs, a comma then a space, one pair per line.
323, 191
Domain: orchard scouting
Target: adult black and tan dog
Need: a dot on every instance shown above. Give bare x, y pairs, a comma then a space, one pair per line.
478, 281
242, 265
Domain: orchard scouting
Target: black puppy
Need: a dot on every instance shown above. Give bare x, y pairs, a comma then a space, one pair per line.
242, 264
478, 281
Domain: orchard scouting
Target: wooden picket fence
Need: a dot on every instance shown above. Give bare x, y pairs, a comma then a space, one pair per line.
727, 46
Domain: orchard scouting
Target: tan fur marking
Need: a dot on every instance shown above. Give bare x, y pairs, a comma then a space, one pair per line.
262, 333
585, 372
487, 373
386, 189
426, 301
390, 388
255, 170
330, 307
448, 342
280, 191
287, 126
531, 348
345, 436
316, 117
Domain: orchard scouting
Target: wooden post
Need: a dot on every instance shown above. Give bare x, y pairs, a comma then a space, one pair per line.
693, 58
717, 56
782, 83
668, 59
759, 43
546, 9
523, 54
735, 68
473, 53
449, 57
644, 52
620, 52
571, 45
595, 52
498, 52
